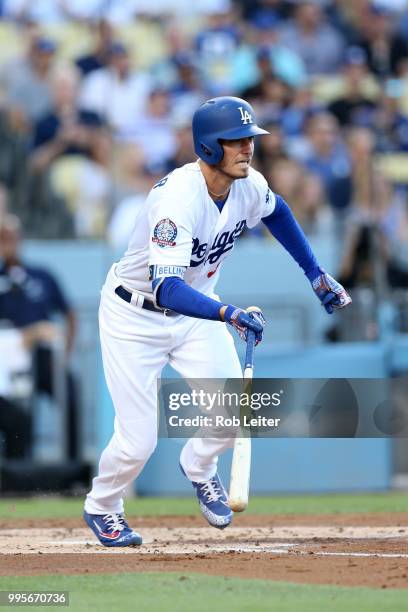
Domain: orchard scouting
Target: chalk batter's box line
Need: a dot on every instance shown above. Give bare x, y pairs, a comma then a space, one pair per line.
280, 549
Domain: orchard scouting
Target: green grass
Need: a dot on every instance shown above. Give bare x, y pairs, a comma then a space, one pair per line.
196, 593
59, 507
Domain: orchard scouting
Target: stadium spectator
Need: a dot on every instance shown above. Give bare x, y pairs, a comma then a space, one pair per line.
29, 296
376, 234
317, 43
116, 93
154, 132
177, 43
306, 193
386, 50
354, 106
99, 55
392, 216
284, 62
325, 154
376, 204
187, 91
274, 95
28, 33
262, 71
302, 105
216, 45
312, 209
85, 187
375, 258
28, 88
67, 129
391, 120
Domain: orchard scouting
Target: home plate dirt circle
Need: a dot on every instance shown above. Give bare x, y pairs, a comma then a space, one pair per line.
296, 540
348, 550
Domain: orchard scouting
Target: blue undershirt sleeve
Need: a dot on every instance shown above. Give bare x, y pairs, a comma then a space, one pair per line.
176, 295
283, 225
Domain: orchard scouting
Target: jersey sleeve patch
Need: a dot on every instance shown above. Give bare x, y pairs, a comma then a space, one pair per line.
165, 233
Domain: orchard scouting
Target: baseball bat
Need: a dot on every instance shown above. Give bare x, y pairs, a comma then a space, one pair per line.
241, 457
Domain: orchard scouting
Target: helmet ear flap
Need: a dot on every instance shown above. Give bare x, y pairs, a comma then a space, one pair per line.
211, 155
206, 150
219, 152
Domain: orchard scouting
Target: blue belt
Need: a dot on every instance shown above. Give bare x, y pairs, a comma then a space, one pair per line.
147, 304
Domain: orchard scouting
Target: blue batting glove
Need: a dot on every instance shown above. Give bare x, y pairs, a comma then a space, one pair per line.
331, 294
242, 321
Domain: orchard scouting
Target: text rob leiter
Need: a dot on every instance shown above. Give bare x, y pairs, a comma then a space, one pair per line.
223, 421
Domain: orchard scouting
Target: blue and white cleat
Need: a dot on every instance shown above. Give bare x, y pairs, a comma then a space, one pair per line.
112, 530
213, 501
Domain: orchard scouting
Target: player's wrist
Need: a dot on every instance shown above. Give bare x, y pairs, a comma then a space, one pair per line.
222, 312
314, 273
229, 312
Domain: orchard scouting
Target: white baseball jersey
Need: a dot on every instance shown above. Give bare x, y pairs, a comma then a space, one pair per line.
180, 231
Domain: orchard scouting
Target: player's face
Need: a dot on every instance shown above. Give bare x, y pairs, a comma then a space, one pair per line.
237, 157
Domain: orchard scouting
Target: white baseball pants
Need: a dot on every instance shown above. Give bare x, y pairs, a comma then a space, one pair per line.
136, 345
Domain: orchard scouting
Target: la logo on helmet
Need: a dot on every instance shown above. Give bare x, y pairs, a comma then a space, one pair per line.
245, 116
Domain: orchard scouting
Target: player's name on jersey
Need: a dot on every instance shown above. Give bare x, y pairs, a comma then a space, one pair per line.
223, 421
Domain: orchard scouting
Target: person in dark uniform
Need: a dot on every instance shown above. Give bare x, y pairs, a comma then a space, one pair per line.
30, 297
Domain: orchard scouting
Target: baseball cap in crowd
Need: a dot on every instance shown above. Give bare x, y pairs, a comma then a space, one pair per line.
355, 56
45, 45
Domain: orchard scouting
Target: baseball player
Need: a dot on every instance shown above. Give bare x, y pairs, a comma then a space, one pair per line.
158, 306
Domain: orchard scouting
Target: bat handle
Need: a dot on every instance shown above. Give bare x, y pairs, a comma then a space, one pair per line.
250, 346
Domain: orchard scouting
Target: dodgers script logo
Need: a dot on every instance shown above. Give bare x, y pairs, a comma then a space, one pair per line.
245, 116
164, 234
223, 243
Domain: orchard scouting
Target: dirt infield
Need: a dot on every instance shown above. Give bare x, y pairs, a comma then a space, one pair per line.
365, 550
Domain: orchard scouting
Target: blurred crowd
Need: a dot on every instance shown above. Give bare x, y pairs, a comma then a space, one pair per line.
96, 100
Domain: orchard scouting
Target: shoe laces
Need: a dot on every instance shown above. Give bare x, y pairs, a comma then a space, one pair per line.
211, 490
115, 522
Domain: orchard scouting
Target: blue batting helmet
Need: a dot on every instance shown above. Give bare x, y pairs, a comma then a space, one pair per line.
226, 118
